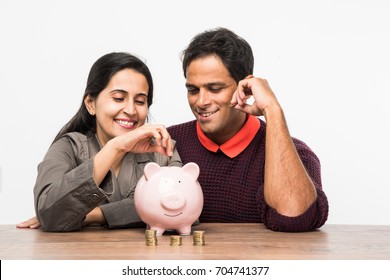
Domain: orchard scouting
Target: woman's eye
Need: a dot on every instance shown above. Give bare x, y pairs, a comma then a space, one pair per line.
118, 99
140, 102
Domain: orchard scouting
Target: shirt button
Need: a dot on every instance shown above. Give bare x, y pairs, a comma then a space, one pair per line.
95, 197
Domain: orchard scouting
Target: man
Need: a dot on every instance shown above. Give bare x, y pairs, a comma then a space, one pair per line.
251, 171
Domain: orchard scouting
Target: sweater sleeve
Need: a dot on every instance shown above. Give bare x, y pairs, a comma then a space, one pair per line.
65, 190
316, 215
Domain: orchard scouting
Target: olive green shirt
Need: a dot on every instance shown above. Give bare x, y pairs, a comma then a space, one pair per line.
65, 191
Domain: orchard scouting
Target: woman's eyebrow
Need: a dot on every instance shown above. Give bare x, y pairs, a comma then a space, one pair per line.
119, 90
141, 94
125, 92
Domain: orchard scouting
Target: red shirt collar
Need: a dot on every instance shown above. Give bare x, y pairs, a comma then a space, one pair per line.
235, 145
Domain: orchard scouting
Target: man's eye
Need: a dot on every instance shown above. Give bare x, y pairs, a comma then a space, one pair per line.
192, 90
118, 99
215, 90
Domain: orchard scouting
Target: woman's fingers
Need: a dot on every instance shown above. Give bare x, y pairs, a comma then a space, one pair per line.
30, 223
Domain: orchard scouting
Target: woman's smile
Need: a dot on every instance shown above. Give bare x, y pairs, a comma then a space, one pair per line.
128, 124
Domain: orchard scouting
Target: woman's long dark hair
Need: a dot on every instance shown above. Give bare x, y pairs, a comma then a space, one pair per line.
99, 77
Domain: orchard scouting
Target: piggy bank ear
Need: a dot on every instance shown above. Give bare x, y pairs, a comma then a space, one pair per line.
150, 169
192, 168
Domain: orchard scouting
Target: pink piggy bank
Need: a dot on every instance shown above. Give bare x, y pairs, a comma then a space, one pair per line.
169, 198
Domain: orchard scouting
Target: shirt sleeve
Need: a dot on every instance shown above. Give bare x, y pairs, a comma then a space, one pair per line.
175, 159
65, 190
120, 214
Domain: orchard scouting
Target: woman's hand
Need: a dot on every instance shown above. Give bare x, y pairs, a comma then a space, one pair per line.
30, 223
147, 138
96, 216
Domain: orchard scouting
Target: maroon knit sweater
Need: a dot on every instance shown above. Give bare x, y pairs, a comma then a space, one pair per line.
233, 187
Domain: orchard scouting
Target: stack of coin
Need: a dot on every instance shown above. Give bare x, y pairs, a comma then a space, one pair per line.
175, 240
198, 238
151, 237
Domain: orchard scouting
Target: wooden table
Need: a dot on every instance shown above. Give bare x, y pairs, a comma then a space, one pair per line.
223, 242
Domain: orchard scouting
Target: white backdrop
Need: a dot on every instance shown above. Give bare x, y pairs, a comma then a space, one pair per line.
328, 62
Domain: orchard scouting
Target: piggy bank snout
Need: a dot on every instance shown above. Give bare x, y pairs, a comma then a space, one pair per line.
173, 201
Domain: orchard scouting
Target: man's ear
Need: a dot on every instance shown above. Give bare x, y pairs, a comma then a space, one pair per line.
89, 103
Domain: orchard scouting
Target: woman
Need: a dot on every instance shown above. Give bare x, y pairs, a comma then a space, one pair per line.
89, 173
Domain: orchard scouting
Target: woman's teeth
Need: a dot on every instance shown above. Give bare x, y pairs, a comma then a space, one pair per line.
125, 123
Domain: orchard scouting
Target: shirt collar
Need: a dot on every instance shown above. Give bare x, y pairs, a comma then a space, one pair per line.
235, 145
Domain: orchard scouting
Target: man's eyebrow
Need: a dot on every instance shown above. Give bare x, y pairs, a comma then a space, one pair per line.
189, 85
216, 84
208, 84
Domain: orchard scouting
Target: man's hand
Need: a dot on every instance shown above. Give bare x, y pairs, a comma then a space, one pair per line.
257, 88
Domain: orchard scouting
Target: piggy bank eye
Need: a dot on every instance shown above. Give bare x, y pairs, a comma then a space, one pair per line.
179, 181
166, 184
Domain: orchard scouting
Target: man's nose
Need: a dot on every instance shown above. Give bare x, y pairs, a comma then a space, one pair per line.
204, 98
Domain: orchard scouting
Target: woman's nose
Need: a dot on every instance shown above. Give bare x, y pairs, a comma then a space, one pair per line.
129, 108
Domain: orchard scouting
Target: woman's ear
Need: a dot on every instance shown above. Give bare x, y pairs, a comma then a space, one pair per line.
90, 105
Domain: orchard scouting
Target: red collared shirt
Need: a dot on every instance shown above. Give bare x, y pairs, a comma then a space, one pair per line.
235, 145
